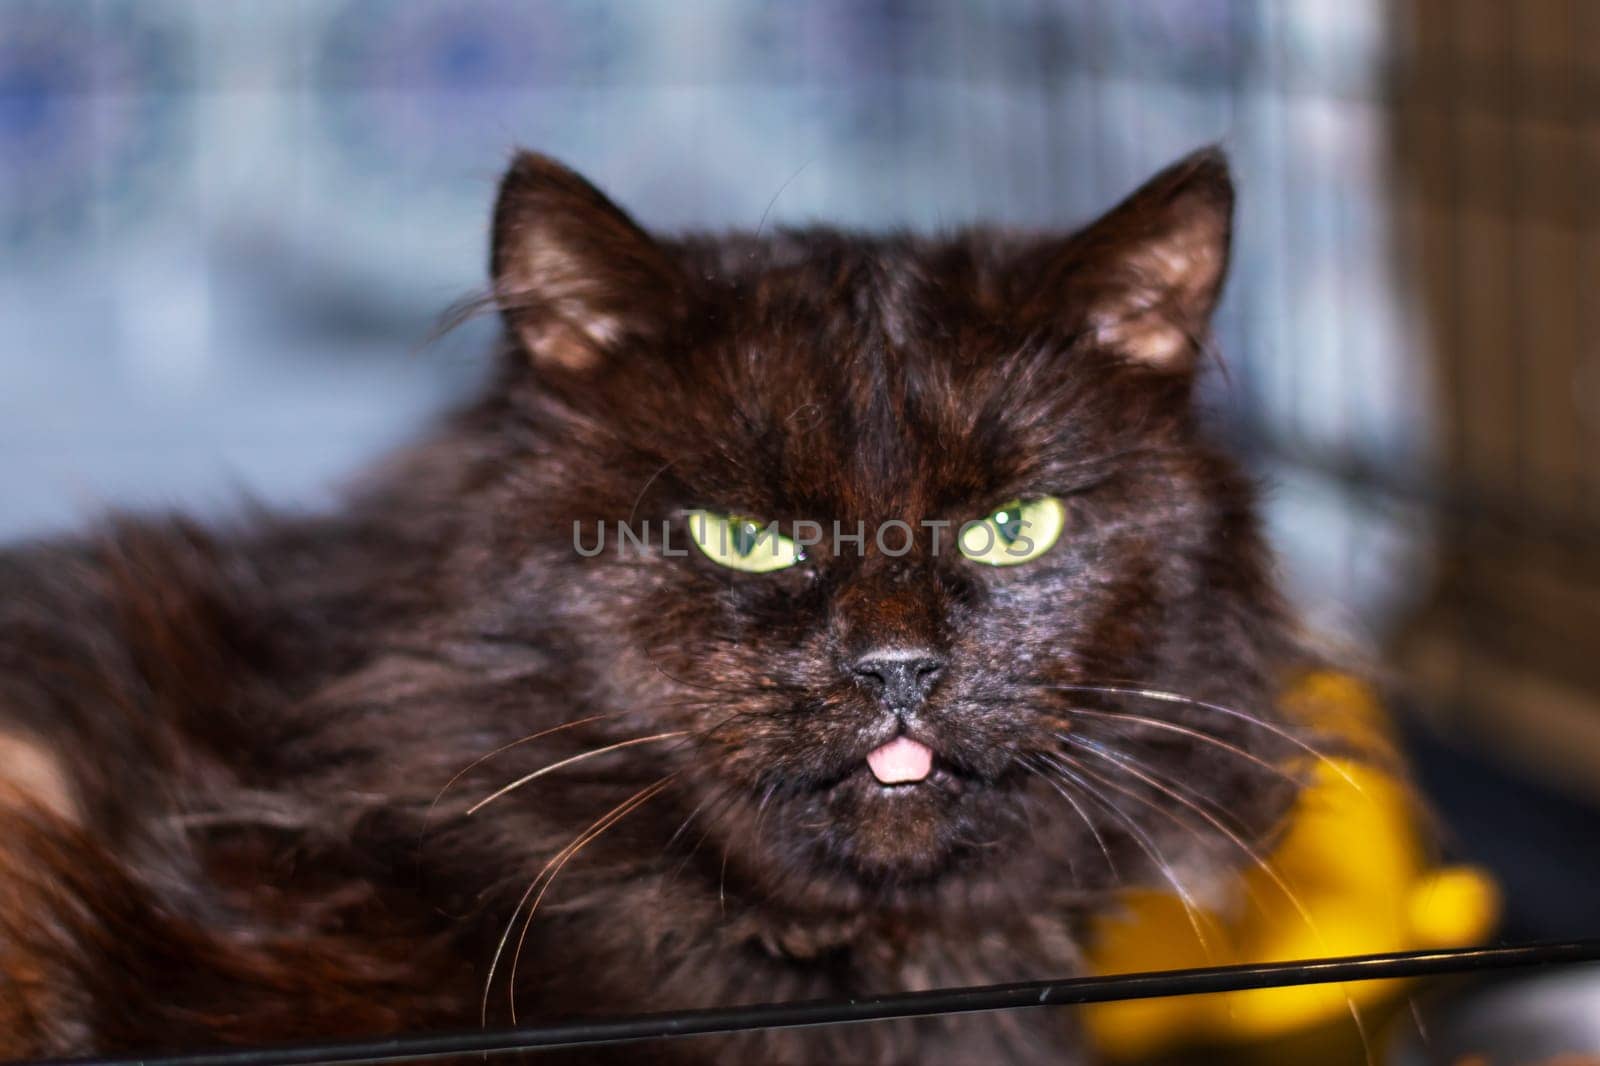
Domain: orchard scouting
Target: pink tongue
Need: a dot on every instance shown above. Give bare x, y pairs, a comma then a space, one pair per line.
901, 760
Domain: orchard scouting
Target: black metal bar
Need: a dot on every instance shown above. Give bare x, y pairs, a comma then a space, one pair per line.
1069, 992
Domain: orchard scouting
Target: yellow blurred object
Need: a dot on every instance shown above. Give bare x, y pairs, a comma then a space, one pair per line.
1353, 857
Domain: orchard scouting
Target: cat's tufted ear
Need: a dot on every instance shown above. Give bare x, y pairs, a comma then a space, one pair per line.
1144, 279
574, 276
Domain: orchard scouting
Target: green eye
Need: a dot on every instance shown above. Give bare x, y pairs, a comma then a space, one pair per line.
742, 543
1019, 532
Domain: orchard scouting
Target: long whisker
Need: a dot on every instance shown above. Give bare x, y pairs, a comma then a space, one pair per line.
1083, 815
722, 874
1174, 791
761, 816
1146, 801
688, 819
1244, 716
1033, 829
713, 809
716, 801
722, 884
591, 834
1193, 734
500, 948
480, 760
1191, 909
519, 782
1260, 861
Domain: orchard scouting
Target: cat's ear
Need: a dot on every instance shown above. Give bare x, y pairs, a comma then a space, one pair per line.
573, 275
1144, 279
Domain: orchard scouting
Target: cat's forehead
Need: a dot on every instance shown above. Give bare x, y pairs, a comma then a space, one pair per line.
824, 373
867, 287
849, 387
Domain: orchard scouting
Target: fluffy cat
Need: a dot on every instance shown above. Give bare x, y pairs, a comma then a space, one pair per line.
258, 788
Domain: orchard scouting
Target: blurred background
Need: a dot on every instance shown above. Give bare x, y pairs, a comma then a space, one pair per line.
228, 227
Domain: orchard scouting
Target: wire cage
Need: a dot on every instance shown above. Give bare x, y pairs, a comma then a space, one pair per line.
1411, 333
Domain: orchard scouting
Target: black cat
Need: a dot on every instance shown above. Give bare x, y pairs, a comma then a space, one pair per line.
932, 620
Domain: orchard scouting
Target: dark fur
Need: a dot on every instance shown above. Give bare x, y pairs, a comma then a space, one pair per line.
257, 721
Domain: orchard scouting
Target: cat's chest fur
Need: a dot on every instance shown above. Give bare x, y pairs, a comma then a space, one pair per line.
721, 954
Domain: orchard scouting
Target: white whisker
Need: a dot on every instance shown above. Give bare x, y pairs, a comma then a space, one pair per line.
1194, 734
600, 823
1190, 908
480, 760
593, 833
1088, 822
1189, 701
519, 782
1170, 790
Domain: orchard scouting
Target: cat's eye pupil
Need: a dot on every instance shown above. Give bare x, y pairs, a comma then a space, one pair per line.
745, 535
1008, 523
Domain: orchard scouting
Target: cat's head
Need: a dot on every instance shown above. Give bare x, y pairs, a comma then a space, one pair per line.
874, 702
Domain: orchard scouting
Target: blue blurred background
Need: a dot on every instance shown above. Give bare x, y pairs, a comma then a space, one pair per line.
228, 227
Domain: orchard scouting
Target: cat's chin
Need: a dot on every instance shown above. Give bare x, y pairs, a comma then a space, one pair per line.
906, 833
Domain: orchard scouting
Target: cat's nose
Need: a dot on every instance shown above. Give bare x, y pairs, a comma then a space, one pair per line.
900, 678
